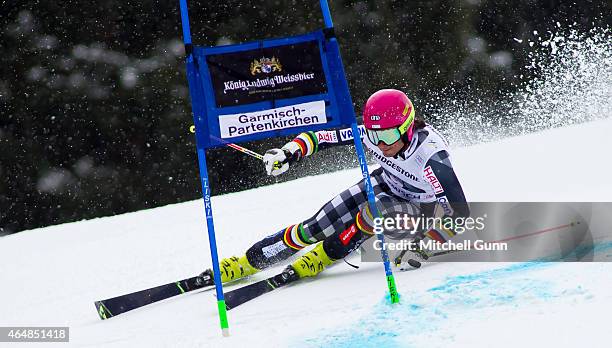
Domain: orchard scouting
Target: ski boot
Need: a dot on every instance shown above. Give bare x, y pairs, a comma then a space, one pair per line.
312, 263
234, 268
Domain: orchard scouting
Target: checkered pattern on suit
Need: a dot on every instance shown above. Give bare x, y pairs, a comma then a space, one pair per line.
340, 212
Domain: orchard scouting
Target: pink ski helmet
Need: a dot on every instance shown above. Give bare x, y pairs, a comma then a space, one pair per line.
388, 109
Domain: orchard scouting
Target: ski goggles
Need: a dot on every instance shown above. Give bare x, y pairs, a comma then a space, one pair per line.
391, 135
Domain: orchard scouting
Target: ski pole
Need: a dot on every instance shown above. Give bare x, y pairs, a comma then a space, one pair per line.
277, 164
244, 150
398, 259
236, 147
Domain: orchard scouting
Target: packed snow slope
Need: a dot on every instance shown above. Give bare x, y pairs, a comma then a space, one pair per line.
51, 276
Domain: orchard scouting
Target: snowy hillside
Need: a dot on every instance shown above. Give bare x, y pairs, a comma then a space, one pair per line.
52, 276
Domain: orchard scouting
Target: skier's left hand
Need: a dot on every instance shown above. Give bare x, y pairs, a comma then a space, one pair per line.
411, 259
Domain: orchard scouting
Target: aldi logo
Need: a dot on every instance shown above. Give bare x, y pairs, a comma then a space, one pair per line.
327, 137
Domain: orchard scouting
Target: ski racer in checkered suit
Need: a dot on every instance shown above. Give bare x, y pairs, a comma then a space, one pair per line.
415, 177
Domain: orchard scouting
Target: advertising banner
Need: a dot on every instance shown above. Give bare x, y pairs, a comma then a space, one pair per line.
298, 115
277, 72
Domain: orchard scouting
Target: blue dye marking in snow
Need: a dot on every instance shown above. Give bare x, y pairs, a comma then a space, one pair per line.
390, 325
603, 247
581, 251
356, 338
483, 279
373, 331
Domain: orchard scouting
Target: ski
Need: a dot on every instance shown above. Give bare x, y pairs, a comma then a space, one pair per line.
117, 305
239, 296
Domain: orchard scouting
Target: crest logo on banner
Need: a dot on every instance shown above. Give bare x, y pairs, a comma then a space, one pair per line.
265, 65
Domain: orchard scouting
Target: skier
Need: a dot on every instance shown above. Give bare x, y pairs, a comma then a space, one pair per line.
414, 176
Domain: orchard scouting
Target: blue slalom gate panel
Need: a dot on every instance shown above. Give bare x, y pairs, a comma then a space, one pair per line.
268, 88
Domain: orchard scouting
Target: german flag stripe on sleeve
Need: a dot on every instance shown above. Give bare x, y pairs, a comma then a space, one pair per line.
435, 235
302, 144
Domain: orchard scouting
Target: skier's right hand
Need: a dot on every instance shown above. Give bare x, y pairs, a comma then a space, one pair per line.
277, 160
